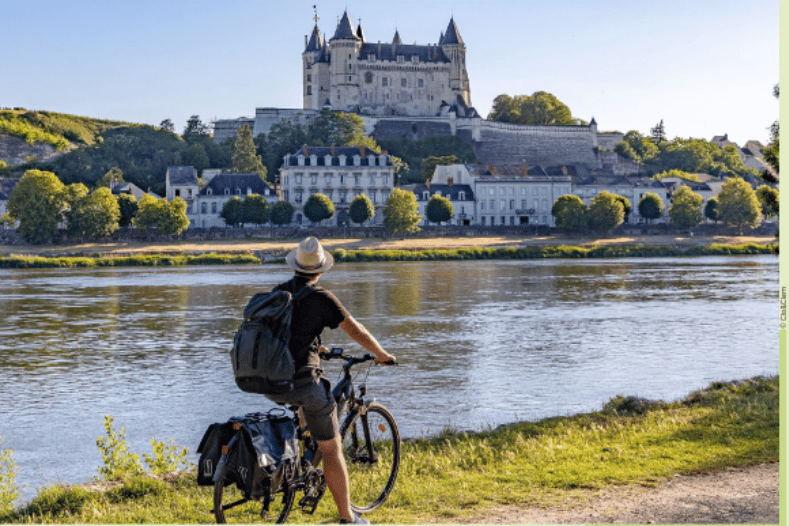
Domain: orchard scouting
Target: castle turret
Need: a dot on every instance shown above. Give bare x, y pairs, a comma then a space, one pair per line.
455, 50
313, 51
345, 46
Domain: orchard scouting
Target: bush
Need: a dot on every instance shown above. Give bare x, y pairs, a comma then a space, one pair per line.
9, 491
119, 462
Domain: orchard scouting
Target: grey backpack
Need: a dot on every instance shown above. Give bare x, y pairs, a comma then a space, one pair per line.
262, 362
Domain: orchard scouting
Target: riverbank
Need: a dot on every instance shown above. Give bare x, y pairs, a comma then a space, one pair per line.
557, 464
353, 250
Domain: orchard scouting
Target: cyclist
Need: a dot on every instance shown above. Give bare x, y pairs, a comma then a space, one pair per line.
312, 392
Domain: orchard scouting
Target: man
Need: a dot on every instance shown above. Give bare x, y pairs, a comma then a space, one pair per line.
312, 392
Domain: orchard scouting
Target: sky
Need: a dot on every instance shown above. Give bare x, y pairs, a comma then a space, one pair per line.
704, 67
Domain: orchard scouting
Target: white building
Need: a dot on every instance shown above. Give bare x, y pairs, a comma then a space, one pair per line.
205, 202
632, 188
461, 196
340, 174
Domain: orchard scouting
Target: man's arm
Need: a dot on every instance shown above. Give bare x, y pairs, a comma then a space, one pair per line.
362, 336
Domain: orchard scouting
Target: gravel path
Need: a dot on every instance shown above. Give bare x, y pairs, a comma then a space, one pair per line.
732, 496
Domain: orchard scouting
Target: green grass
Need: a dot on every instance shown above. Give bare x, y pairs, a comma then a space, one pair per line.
531, 463
126, 261
549, 252
57, 129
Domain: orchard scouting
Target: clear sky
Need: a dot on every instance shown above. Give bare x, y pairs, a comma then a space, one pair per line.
706, 67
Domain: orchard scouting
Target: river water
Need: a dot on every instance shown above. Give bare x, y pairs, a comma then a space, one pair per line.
480, 344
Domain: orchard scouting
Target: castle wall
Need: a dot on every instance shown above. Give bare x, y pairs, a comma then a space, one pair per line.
228, 128
502, 144
265, 118
415, 129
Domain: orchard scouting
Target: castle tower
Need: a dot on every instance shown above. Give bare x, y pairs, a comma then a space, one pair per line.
313, 48
345, 46
455, 49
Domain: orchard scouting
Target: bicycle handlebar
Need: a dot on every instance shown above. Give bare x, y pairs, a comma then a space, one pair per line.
337, 352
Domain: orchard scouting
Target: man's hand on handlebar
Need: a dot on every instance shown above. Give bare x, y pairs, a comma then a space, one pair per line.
386, 359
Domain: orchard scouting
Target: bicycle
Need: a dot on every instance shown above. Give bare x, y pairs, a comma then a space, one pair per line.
371, 445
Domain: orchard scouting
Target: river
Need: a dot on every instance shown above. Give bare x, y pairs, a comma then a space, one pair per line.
480, 343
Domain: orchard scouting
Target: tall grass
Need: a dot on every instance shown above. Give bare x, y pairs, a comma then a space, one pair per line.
447, 478
14, 261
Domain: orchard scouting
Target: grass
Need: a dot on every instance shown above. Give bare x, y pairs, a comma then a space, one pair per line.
168, 260
449, 477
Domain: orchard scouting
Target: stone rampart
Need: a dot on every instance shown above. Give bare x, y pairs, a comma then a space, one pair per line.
502, 144
414, 129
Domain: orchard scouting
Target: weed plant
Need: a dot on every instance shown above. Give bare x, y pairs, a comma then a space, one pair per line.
447, 478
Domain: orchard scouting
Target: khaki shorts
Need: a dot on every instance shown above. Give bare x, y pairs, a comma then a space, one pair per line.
313, 395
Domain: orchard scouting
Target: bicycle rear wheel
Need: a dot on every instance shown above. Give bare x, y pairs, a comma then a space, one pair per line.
371, 444
231, 505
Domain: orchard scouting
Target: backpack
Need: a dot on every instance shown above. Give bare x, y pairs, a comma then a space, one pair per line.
268, 447
262, 362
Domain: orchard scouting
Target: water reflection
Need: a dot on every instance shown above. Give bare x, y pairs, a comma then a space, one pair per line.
481, 343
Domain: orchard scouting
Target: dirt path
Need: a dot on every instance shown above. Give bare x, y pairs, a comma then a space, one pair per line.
733, 496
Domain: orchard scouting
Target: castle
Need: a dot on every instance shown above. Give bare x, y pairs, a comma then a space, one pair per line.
419, 91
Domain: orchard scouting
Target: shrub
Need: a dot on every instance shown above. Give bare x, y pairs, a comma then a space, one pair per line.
119, 462
9, 491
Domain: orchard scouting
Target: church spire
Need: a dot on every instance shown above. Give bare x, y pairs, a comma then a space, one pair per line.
397, 39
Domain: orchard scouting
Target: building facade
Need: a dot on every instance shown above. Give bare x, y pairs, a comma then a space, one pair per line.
204, 202
461, 197
339, 173
348, 73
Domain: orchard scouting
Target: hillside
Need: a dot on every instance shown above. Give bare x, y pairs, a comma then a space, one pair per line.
46, 135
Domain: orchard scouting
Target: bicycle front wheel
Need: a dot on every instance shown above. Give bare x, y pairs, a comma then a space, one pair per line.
371, 445
231, 505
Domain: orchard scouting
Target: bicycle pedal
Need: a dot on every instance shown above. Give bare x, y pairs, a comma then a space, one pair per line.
309, 503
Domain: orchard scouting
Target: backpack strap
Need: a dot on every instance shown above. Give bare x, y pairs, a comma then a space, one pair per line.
303, 293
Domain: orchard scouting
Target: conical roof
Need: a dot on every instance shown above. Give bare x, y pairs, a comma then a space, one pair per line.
397, 39
345, 29
316, 40
359, 32
452, 35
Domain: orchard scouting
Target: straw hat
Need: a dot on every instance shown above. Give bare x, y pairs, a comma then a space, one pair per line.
309, 257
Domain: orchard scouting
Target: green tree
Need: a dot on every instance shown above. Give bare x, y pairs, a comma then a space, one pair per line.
401, 212
769, 199
318, 207
738, 204
36, 203
677, 173
685, 209
167, 124
711, 209
93, 215
651, 206
149, 209
256, 209
636, 147
281, 213
113, 176
626, 206
233, 212
361, 209
127, 204
570, 213
606, 212
439, 209
658, 133
196, 156
173, 219
539, 108
245, 157
196, 130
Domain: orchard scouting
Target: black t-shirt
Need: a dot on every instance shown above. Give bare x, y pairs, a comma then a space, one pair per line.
318, 310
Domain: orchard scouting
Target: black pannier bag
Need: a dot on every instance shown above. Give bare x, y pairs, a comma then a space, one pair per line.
267, 449
262, 362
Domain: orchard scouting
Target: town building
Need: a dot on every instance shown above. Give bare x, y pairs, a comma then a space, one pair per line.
632, 188
206, 199
340, 173
461, 197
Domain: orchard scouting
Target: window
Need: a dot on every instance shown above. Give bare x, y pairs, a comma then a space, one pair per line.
372, 179
327, 178
357, 179
462, 196
298, 196
425, 196
385, 179
309, 90
403, 83
213, 207
384, 81
420, 83
238, 191
482, 205
512, 204
313, 178
298, 178
210, 191
204, 208
368, 77
227, 191
177, 192
342, 178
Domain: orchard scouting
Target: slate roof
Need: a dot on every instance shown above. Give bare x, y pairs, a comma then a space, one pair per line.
516, 171
182, 175
322, 151
452, 35
344, 29
237, 183
6, 187
451, 192
391, 51
316, 40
